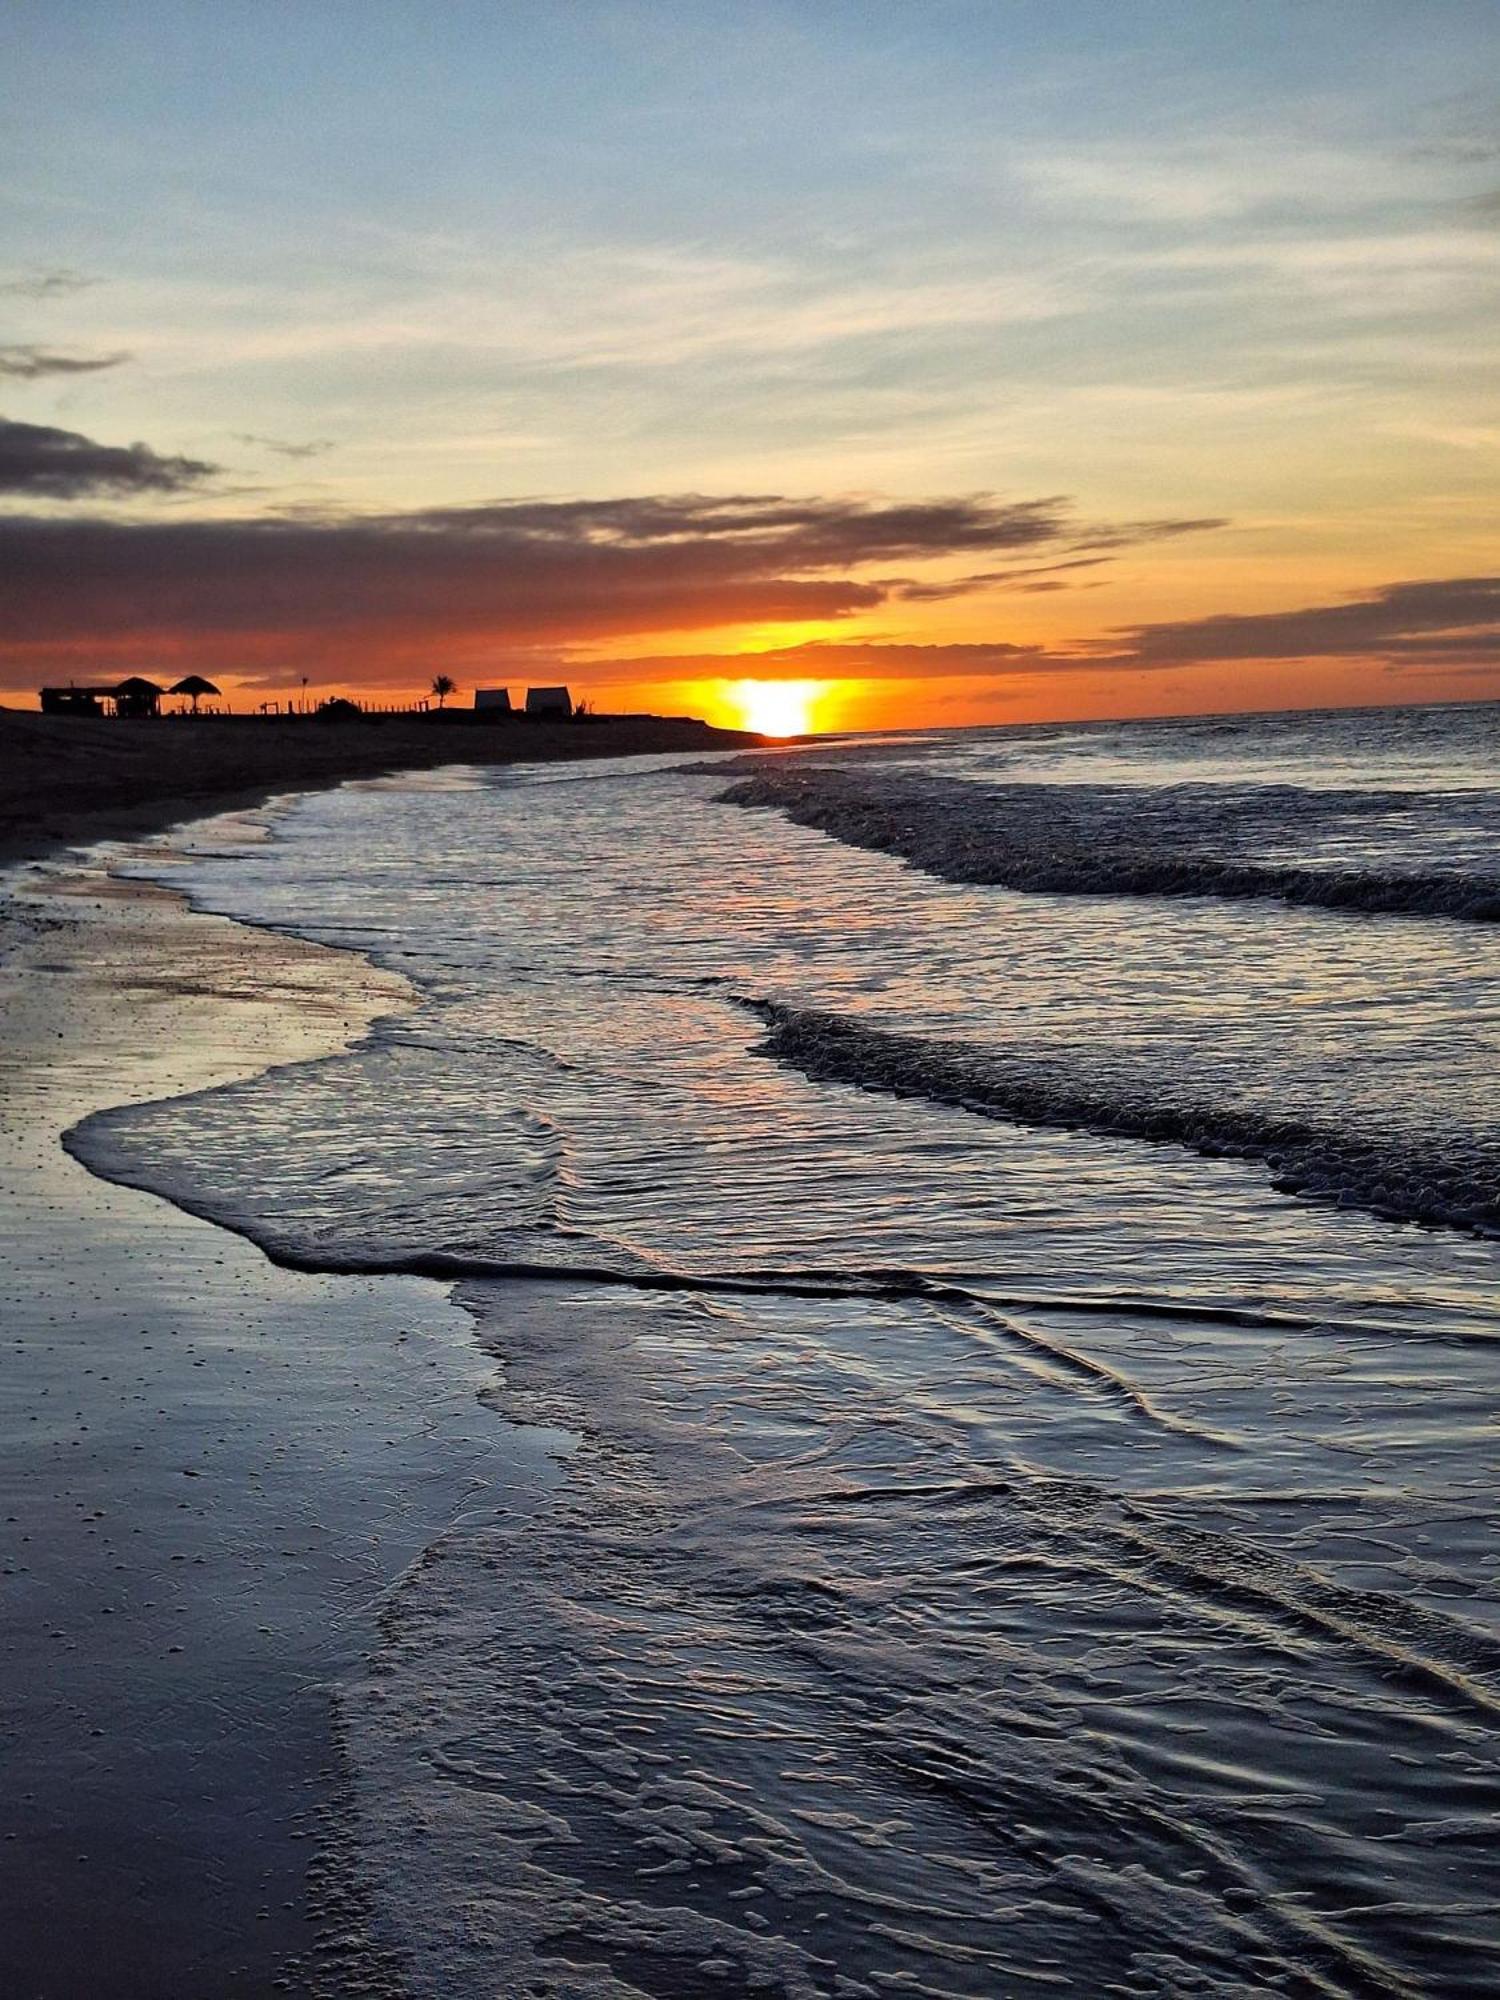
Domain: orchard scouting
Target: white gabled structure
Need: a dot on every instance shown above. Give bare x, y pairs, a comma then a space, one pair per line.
548, 701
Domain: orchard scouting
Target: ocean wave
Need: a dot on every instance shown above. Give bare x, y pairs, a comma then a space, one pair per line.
1180, 840
107, 1143
1453, 1186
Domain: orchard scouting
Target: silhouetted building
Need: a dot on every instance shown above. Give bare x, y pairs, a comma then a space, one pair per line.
75, 700
548, 701
134, 696
137, 696
492, 701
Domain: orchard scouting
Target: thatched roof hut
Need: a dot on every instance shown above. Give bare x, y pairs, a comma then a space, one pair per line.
137, 696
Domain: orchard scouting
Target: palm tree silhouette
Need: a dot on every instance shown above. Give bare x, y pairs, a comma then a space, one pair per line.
442, 687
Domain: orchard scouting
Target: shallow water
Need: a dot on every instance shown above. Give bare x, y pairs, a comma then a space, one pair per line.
206, 1484
999, 1556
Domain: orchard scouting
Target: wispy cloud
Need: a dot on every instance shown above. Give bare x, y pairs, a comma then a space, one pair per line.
46, 464
45, 284
1022, 577
1211, 177
283, 448
26, 363
1380, 272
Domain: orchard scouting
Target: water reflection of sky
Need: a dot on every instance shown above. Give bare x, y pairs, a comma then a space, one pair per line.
1139, 1583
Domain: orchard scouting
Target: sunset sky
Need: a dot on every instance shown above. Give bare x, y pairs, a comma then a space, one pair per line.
952, 360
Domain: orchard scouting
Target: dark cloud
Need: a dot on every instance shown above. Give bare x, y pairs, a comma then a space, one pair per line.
49, 464
1452, 623
28, 363
1431, 621
813, 534
817, 534
369, 599
388, 586
44, 284
314, 447
375, 594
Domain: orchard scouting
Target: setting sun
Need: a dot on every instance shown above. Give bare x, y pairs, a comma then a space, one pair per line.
777, 708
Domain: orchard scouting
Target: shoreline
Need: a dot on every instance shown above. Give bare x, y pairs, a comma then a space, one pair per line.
71, 781
609, 1701
210, 1488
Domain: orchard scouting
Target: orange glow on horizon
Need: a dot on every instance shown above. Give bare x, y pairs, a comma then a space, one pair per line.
778, 708
783, 708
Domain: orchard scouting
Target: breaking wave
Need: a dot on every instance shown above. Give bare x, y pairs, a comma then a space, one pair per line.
1433, 1183
1334, 850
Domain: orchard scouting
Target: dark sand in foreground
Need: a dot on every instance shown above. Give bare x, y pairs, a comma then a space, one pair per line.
211, 1471
69, 779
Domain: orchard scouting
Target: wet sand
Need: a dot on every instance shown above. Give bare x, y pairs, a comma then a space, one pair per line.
211, 1471
66, 779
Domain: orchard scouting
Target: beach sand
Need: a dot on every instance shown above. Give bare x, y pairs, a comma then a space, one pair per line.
210, 1470
67, 779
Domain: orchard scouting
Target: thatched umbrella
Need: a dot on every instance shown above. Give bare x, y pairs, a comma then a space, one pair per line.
194, 687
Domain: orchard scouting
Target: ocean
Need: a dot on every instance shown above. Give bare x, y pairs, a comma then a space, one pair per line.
1005, 1224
